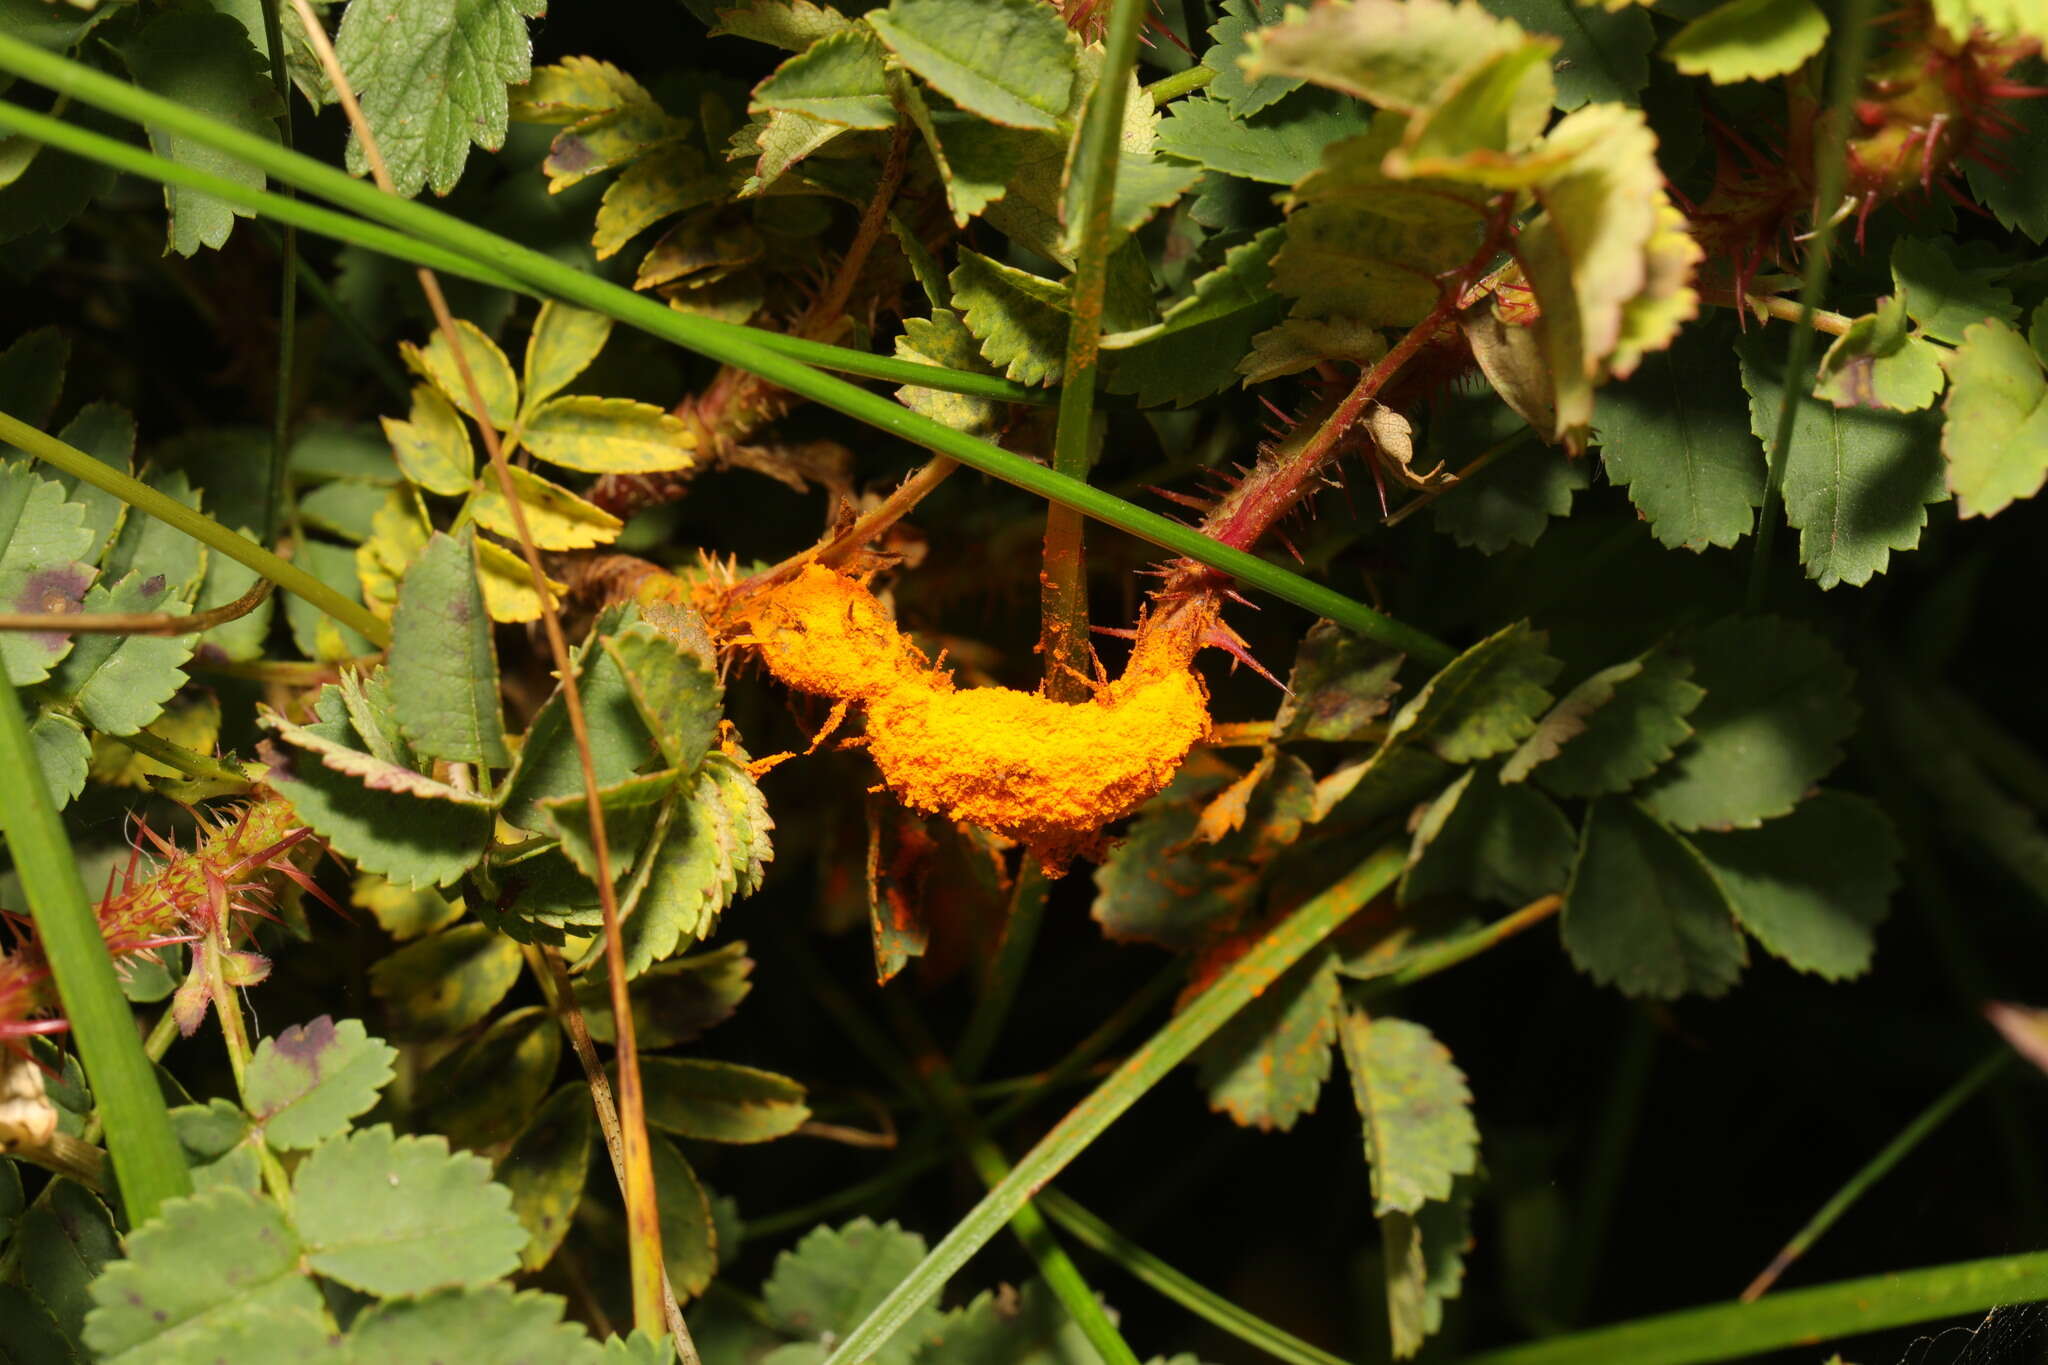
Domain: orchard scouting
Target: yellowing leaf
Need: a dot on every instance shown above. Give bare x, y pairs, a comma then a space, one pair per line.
556, 518
1469, 82
666, 181
839, 79
507, 584
792, 24
433, 447
1609, 261
609, 436
570, 91
564, 342
397, 532
627, 130
435, 362
1996, 437
1749, 40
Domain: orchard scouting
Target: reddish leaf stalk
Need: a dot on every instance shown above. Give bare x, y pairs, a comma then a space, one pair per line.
1290, 473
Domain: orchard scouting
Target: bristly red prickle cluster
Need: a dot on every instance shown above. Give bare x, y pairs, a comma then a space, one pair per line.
1090, 18
237, 866
1928, 105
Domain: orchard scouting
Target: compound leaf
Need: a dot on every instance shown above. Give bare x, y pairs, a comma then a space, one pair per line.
830, 1281
1240, 94
1676, 434
483, 1093
546, 1170
1612, 730
1857, 480
1417, 1111
1424, 1254
1490, 841
609, 436
1010, 61
436, 363
490, 1322
1266, 1067
1812, 886
1483, 702
694, 1097
1644, 913
43, 542
1996, 436
204, 1258
391, 1215
1777, 709
446, 982
431, 77
443, 663
432, 446
564, 342
120, 683
203, 62
1749, 40
838, 79
304, 1085
1603, 56
689, 1238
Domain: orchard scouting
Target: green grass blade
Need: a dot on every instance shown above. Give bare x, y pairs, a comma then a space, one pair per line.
1878, 1167
146, 1157
371, 236
1797, 1317
734, 346
1205, 1303
1313, 922
200, 527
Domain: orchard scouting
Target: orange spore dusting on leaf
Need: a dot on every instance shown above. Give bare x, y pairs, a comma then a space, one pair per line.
1048, 773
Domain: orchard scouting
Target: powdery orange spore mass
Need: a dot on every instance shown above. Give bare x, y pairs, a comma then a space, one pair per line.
1049, 773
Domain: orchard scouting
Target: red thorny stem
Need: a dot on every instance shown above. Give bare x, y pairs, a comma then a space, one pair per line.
650, 1294
1272, 490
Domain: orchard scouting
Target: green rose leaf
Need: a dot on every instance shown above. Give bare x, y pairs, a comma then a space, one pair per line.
1417, 1111
304, 1085
391, 1215
1644, 913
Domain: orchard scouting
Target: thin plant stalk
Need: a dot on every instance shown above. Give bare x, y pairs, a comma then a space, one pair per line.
1798, 1317
921, 1154
1293, 938
200, 527
1006, 974
1877, 1168
1846, 71
372, 235
287, 285
643, 1220
726, 344
1063, 634
1055, 1267
147, 1160
1205, 1303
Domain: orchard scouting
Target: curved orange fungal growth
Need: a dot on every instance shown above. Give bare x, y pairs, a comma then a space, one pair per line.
1048, 773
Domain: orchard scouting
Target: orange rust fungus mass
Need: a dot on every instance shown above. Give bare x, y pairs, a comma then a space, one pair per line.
1050, 774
